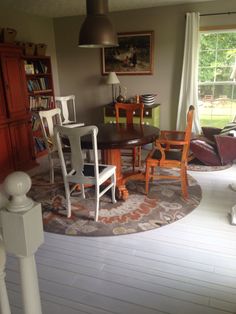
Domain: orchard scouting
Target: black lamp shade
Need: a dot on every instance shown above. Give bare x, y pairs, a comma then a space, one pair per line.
96, 30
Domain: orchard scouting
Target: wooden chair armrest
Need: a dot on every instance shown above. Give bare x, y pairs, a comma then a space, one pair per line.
171, 142
172, 134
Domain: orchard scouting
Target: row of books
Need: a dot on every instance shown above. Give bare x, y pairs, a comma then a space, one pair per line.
35, 67
41, 83
39, 144
41, 102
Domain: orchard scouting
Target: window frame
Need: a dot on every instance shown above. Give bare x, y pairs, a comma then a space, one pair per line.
213, 84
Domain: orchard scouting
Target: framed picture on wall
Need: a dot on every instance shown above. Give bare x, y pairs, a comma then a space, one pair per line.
133, 56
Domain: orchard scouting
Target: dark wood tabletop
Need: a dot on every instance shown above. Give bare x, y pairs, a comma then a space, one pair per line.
111, 136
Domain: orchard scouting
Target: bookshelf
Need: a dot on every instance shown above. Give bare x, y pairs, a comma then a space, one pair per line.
39, 80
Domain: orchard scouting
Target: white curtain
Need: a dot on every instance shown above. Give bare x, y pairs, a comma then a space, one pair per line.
189, 81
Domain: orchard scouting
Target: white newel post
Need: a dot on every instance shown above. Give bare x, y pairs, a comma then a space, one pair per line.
4, 303
22, 231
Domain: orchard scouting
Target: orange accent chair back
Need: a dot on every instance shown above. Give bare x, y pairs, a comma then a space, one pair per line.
129, 110
135, 152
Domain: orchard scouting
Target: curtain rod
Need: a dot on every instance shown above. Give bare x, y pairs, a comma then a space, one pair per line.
221, 13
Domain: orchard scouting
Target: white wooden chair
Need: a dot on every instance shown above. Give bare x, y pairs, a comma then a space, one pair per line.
48, 119
67, 106
80, 172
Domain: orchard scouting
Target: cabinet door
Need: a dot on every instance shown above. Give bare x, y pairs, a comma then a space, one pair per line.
6, 161
22, 146
3, 114
15, 84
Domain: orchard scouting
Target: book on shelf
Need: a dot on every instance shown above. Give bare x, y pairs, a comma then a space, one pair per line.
35, 67
41, 83
41, 102
39, 144
36, 124
40, 67
29, 68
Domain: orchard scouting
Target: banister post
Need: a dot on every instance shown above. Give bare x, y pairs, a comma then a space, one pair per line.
4, 302
22, 231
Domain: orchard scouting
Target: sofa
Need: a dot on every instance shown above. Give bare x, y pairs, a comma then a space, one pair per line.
215, 147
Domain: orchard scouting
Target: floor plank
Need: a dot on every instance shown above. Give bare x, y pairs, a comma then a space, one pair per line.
188, 267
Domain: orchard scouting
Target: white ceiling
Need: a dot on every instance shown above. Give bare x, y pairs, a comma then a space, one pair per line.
60, 8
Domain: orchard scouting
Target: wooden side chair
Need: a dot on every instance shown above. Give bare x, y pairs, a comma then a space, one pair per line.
134, 153
67, 106
80, 172
48, 118
171, 151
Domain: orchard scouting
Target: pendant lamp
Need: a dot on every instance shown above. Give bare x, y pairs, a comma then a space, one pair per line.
96, 30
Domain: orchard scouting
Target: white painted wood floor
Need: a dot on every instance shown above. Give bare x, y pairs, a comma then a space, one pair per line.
188, 267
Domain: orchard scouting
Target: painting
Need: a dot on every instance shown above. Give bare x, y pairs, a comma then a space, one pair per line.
134, 55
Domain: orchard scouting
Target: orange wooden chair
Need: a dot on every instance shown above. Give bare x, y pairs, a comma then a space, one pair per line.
171, 151
130, 110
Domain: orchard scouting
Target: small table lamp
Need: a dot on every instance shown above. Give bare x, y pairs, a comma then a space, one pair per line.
113, 80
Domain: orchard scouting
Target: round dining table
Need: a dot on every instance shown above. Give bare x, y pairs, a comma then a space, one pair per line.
112, 138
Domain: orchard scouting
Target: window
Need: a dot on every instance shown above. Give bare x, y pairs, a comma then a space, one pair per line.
217, 78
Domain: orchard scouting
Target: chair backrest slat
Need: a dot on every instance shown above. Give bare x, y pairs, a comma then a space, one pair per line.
189, 124
67, 106
48, 119
129, 110
74, 136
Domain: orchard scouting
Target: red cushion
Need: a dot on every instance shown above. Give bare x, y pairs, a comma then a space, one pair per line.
205, 152
226, 147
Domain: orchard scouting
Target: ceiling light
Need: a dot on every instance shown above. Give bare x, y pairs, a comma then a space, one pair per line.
96, 30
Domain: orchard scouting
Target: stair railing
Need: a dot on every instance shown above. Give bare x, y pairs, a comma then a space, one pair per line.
21, 234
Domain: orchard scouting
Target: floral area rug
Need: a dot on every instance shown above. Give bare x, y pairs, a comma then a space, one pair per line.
162, 206
196, 165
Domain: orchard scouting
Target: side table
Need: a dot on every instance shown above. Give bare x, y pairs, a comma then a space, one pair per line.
151, 115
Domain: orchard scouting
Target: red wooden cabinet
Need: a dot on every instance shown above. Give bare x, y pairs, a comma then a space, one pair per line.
15, 86
6, 160
3, 113
15, 129
21, 141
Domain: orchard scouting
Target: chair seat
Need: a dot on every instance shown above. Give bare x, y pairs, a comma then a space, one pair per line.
104, 171
89, 170
170, 155
88, 177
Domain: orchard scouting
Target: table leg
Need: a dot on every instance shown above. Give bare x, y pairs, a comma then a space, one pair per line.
113, 157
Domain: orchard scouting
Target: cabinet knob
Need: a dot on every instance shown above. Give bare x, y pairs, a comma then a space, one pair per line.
146, 113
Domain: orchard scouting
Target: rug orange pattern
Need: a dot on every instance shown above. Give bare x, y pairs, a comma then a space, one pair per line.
162, 206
